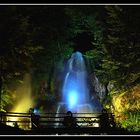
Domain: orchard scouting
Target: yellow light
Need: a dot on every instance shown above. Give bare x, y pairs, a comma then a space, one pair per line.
25, 99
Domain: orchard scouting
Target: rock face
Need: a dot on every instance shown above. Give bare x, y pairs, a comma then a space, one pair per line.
96, 88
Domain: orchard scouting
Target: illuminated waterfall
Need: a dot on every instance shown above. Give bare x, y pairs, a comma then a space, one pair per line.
75, 91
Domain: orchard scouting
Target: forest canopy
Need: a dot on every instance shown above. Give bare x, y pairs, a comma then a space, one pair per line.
38, 40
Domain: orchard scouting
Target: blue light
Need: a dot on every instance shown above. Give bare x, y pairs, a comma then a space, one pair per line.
36, 111
72, 98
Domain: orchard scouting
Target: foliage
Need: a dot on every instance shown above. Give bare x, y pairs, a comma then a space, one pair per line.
121, 44
132, 121
40, 40
16, 49
6, 99
126, 106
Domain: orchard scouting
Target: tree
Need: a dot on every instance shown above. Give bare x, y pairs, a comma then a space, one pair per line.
122, 43
16, 45
121, 39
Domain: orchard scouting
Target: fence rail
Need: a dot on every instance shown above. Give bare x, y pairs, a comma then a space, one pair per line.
24, 120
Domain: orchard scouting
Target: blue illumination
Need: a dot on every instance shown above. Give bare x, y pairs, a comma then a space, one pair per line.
36, 111
72, 98
75, 90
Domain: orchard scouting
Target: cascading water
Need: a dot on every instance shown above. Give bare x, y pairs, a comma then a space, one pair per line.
75, 90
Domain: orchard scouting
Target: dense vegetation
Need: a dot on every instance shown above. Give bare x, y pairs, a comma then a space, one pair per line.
39, 40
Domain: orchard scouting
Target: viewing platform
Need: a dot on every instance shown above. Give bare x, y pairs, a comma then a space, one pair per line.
52, 124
